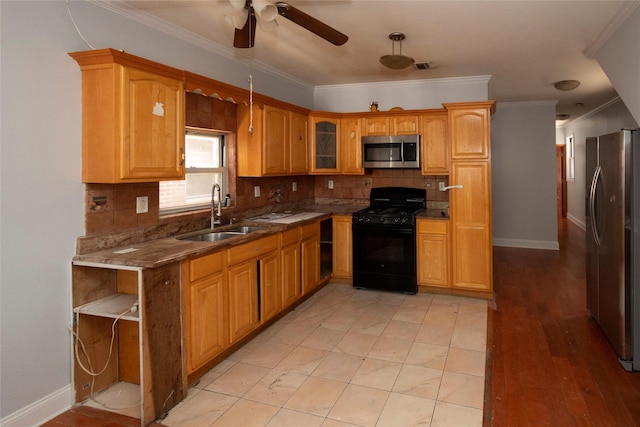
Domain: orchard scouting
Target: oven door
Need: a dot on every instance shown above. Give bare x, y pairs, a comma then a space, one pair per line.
384, 258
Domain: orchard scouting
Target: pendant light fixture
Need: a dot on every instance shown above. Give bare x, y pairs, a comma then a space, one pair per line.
393, 61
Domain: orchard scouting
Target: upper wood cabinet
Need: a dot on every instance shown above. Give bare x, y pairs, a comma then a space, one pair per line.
325, 144
469, 129
351, 146
132, 118
298, 143
435, 145
390, 125
277, 145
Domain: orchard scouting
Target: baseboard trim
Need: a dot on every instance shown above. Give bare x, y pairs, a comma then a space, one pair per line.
527, 244
42, 410
577, 222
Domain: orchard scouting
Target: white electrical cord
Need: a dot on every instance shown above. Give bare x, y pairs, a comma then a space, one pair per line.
76, 26
90, 371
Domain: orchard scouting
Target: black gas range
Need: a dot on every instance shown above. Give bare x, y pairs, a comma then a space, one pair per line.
384, 240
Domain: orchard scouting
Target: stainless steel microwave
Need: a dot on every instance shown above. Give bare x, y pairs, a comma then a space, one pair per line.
391, 152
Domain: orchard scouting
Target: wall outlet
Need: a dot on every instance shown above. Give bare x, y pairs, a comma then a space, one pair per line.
330, 184
441, 186
294, 186
142, 204
256, 191
367, 182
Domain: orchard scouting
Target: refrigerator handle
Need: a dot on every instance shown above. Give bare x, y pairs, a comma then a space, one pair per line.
592, 205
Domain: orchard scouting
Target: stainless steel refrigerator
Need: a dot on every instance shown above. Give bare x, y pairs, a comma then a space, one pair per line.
613, 240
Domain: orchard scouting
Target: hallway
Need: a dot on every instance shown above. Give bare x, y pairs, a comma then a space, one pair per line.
549, 363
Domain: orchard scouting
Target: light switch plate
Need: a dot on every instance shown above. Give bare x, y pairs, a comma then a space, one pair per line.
330, 184
256, 191
294, 186
142, 204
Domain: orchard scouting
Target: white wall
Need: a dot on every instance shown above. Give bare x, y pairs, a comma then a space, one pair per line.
41, 196
412, 94
523, 140
619, 57
609, 118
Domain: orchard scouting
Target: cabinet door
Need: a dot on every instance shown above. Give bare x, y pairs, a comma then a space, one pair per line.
243, 299
469, 133
351, 146
298, 144
435, 145
405, 125
275, 141
342, 246
310, 256
206, 320
290, 274
471, 225
153, 127
377, 125
325, 155
433, 253
270, 289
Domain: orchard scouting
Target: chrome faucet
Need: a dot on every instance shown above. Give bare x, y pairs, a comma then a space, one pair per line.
216, 214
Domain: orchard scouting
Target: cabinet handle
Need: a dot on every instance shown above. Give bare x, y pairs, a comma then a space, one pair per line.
181, 156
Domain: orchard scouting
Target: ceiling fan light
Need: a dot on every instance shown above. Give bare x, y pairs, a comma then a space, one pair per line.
265, 10
396, 62
237, 4
237, 19
267, 25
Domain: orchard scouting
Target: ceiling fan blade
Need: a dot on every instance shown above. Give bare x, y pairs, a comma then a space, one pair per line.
312, 24
245, 37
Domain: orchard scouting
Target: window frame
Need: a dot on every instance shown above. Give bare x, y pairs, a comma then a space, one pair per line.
223, 170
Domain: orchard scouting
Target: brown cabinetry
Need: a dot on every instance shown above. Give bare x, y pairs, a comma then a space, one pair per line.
470, 197
342, 247
351, 146
435, 144
290, 264
278, 144
206, 309
132, 118
254, 285
325, 144
391, 125
433, 252
310, 256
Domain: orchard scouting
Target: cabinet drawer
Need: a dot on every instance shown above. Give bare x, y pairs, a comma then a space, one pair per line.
432, 227
252, 249
205, 266
289, 237
309, 230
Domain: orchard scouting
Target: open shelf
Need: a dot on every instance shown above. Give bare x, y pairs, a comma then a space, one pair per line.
112, 306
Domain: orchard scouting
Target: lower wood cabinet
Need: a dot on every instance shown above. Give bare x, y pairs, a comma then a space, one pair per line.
342, 247
290, 265
206, 309
310, 256
433, 252
243, 299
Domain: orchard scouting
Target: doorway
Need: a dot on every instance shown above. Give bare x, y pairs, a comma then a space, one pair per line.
561, 180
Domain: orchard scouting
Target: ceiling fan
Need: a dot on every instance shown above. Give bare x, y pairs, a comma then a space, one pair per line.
262, 12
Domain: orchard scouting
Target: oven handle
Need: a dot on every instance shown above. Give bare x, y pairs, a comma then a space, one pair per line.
369, 227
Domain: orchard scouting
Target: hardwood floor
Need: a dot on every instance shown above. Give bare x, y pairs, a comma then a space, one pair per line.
549, 363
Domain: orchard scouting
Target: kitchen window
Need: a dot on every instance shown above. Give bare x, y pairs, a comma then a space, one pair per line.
205, 164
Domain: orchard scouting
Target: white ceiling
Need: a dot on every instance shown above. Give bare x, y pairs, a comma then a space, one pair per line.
525, 46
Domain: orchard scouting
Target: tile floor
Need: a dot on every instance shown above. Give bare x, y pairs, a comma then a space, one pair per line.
349, 357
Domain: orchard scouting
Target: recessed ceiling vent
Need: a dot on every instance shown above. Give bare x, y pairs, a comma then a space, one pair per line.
425, 65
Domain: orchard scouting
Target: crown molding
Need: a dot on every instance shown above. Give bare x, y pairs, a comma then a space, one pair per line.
149, 20
412, 83
625, 11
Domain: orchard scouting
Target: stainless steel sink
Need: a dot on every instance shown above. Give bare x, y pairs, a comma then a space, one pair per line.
246, 229
213, 236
